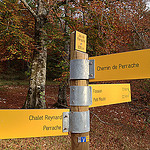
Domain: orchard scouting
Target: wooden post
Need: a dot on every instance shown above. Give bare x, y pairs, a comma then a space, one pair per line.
74, 54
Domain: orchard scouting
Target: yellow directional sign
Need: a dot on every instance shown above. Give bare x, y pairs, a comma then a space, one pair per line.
80, 41
107, 94
122, 66
25, 123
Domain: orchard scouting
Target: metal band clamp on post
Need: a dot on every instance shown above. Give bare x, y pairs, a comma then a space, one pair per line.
79, 69
91, 69
76, 122
66, 121
79, 122
80, 95
82, 69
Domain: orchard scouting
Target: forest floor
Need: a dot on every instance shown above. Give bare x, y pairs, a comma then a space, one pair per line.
123, 126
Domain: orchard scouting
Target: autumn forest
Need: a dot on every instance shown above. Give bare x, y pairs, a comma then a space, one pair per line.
35, 48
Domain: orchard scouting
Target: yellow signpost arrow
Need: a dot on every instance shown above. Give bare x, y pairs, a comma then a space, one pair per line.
122, 66
107, 94
25, 123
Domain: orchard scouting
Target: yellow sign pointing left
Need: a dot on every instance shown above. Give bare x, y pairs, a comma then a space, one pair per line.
25, 123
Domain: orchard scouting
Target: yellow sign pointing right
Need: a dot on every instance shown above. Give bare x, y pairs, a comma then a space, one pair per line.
107, 94
122, 66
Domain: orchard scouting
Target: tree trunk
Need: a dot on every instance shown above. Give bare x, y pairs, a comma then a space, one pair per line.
36, 91
62, 97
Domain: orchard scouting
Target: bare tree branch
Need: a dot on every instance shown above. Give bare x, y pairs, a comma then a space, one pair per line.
29, 8
100, 119
140, 36
135, 29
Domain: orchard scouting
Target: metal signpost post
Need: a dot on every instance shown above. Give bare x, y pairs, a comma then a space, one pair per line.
79, 75
83, 96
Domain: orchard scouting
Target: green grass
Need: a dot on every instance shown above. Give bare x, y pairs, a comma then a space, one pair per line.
13, 82
23, 82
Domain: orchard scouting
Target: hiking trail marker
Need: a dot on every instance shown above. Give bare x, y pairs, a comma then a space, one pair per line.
24, 123
107, 94
80, 121
122, 66
80, 41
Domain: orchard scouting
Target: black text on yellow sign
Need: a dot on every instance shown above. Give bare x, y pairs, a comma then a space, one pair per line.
107, 94
122, 66
80, 41
31, 123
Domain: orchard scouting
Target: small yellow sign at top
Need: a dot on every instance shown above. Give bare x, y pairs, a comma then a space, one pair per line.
80, 41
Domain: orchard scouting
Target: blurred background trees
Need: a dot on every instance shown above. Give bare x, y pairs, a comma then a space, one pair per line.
111, 27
